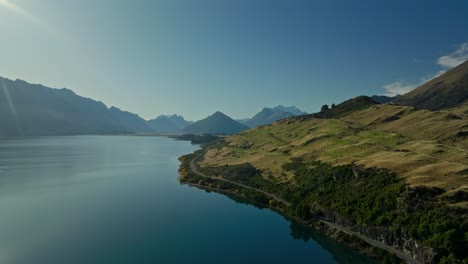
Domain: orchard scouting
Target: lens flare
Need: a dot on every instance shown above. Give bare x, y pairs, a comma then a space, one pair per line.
10, 104
26, 15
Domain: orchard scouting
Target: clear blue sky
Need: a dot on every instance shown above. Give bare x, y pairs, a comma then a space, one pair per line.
196, 57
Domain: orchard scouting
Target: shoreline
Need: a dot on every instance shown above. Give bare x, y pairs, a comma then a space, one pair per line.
338, 233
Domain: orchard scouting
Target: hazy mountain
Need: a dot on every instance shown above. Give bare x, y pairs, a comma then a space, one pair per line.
242, 120
168, 124
33, 109
130, 121
270, 115
289, 109
448, 90
267, 116
383, 99
217, 123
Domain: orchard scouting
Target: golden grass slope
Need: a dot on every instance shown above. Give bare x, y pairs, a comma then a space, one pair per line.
421, 146
445, 91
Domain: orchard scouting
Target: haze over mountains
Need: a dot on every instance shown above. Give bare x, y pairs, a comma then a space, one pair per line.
167, 124
270, 115
217, 123
30, 109
33, 109
130, 121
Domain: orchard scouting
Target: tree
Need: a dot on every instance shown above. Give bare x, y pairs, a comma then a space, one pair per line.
303, 211
272, 202
333, 106
324, 108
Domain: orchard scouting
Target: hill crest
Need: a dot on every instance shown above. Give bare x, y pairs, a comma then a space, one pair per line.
217, 123
445, 91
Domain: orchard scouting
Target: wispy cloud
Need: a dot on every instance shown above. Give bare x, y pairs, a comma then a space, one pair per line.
447, 62
402, 87
397, 88
429, 77
456, 58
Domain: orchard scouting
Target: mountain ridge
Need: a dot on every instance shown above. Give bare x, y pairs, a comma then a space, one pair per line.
269, 115
36, 110
168, 124
445, 91
217, 123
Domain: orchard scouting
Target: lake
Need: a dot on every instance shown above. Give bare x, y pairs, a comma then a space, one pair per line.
116, 199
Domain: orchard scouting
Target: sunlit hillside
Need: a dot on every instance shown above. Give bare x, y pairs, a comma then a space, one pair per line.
423, 147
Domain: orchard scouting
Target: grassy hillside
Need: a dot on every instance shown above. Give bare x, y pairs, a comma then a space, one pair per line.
390, 168
448, 90
424, 147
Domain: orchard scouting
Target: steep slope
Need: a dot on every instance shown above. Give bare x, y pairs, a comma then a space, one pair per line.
129, 121
270, 115
168, 124
31, 109
217, 123
448, 90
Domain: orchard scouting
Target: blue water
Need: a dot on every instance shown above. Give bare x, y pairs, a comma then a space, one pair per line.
116, 199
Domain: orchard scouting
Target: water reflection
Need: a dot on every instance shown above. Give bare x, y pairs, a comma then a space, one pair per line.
116, 199
298, 231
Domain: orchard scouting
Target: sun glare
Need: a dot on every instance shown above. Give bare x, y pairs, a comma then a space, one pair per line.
16, 9
10, 103
25, 14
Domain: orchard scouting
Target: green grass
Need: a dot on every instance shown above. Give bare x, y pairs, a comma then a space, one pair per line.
400, 145
380, 138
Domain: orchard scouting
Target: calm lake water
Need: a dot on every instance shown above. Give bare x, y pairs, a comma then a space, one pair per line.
116, 199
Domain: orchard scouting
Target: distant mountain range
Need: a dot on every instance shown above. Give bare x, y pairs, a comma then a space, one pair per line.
168, 124
130, 121
270, 115
383, 99
217, 123
32, 109
448, 90
35, 110
289, 109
